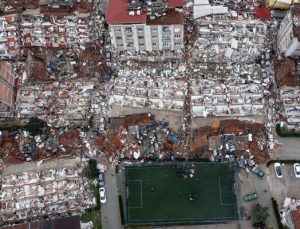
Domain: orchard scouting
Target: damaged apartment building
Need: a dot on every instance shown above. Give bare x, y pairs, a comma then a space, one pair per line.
154, 89
289, 33
140, 25
231, 63
9, 36
288, 44
61, 103
42, 190
52, 31
291, 100
7, 89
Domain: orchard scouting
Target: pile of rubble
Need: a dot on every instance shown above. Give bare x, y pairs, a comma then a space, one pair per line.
140, 137
19, 146
231, 41
9, 36
291, 100
43, 191
52, 31
235, 96
289, 213
149, 87
232, 140
61, 103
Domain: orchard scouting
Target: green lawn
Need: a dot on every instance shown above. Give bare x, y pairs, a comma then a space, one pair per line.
94, 216
167, 194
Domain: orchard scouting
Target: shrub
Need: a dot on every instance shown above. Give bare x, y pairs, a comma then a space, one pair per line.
91, 171
121, 210
35, 126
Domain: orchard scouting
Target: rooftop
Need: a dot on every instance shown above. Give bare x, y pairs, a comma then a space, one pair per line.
118, 13
171, 17
175, 3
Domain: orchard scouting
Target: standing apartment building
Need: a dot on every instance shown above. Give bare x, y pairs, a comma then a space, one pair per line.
7, 97
145, 25
289, 33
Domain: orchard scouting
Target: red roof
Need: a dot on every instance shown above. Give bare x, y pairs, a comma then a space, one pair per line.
262, 13
118, 13
175, 3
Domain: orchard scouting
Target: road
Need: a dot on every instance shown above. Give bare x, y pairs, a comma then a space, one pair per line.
264, 196
252, 183
290, 149
110, 212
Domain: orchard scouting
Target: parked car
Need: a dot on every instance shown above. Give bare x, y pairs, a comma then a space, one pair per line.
101, 179
297, 170
278, 170
102, 195
249, 197
258, 171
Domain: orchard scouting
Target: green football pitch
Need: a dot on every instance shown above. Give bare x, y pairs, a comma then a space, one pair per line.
179, 193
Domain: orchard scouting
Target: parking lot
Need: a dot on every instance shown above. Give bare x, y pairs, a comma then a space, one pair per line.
287, 186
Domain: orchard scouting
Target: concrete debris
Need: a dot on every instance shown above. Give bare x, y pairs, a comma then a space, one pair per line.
39, 191
60, 103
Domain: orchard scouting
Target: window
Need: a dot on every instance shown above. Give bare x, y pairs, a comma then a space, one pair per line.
119, 38
140, 37
130, 44
129, 36
166, 44
177, 35
117, 29
154, 37
128, 29
165, 29
177, 43
140, 29
154, 29
154, 44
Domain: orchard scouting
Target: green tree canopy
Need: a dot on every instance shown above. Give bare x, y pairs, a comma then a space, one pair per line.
35, 126
91, 171
260, 214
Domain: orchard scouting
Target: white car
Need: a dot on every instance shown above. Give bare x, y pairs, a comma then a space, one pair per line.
102, 195
278, 170
297, 170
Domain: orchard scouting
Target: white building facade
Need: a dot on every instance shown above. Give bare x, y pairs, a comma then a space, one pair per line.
143, 37
289, 32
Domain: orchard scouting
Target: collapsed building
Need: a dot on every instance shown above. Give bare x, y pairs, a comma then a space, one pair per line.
138, 26
231, 62
72, 102
37, 190
291, 100
9, 36
52, 31
153, 89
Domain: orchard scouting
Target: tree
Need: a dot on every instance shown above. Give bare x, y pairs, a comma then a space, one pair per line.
35, 126
91, 171
260, 214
